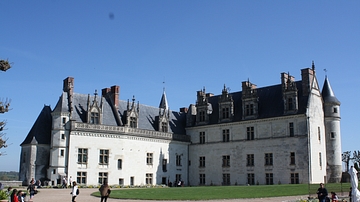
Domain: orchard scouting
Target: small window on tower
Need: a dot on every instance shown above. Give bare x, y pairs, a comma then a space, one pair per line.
332, 135
64, 120
335, 110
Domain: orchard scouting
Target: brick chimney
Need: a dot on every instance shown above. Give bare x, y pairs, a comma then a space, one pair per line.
307, 76
68, 84
115, 95
184, 109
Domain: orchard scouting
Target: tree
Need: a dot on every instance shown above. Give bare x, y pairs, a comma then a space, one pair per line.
346, 157
4, 107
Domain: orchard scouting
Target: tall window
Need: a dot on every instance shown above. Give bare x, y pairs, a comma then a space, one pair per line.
332, 135
250, 160
268, 159
82, 155
62, 152
104, 156
81, 177
202, 161
335, 110
291, 129
94, 118
202, 137
133, 122
250, 133
164, 127
202, 116
251, 178
249, 109
290, 104
226, 135
119, 164
63, 120
149, 178
62, 136
319, 134
132, 180
178, 160
102, 177
294, 178
149, 158
202, 179
320, 160
178, 177
226, 161
225, 112
164, 165
269, 178
292, 158
121, 181
226, 178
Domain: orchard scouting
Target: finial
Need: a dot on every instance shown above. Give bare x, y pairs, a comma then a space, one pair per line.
133, 99
313, 65
325, 70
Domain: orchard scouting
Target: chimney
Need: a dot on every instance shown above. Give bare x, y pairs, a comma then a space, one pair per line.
285, 78
105, 91
184, 109
115, 95
307, 76
68, 84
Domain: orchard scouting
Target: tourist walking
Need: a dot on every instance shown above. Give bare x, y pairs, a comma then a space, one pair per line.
104, 191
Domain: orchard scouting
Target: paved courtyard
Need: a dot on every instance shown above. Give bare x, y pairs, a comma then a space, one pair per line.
63, 195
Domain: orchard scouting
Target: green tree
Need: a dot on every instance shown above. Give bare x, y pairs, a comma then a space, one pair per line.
4, 107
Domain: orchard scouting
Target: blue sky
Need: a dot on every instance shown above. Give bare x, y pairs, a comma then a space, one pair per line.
186, 44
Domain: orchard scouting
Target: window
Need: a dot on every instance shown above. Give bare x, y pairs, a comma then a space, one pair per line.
290, 104
149, 178
225, 112
81, 177
119, 164
121, 181
249, 109
63, 120
202, 137
319, 134
226, 161
294, 178
292, 158
250, 160
62, 136
61, 152
104, 156
103, 177
226, 135
82, 155
226, 178
133, 122
202, 116
164, 127
94, 118
332, 135
268, 159
164, 163
178, 160
149, 158
202, 179
202, 161
177, 178
250, 133
335, 110
320, 160
251, 178
291, 129
54, 171
132, 179
269, 178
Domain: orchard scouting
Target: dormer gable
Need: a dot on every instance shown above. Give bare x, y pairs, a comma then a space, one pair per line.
203, 107
249, 101
164, 114
94, 112
289, 93
132, 114
226, 106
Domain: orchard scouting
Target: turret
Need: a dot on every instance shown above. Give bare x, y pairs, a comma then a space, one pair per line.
332, 131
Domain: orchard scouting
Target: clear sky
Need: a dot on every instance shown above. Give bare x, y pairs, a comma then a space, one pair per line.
182, 45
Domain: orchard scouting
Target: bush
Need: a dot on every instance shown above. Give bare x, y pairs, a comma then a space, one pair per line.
3, 195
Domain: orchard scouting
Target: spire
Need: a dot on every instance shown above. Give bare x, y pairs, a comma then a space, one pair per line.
163, 102
328, 94
313, 65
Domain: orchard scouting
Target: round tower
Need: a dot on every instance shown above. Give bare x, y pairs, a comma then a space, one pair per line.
332, 131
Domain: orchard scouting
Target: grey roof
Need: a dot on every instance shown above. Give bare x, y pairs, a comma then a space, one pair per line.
328, 94
270, 103
41, 129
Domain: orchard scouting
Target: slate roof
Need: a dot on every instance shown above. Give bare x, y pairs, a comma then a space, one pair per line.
270, 103
41, 129
328, 94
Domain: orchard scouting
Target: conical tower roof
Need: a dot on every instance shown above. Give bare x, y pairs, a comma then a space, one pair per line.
328, 94
163, 102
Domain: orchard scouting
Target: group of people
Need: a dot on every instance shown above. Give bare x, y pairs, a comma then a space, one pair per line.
66, 182
323, 194
19, 195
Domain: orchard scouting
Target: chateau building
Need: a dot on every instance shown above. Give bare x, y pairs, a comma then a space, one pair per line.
284, 133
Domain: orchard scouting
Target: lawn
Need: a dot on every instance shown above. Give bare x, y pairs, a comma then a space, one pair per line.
223, 192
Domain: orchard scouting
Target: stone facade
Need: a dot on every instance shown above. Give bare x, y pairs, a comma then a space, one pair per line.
286, 133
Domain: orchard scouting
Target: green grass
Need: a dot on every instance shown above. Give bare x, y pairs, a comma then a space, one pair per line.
223, 192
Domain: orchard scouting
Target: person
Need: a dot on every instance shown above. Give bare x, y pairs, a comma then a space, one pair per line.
70, 181
38, 184
8, 192
20, 196
64, 182
32, 189
14, 197
350, 192
74, 191
334, 197
322, 193
104, 191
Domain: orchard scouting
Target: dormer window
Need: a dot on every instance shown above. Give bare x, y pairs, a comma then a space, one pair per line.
133, 122
226, 106
290, 104
94, 110
249, 109
225, 113
201, 116
132, 114
164, 127
94, 118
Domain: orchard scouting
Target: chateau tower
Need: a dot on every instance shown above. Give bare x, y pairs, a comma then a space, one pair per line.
332, 131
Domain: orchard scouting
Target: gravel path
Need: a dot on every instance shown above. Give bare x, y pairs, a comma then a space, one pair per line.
62, 195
